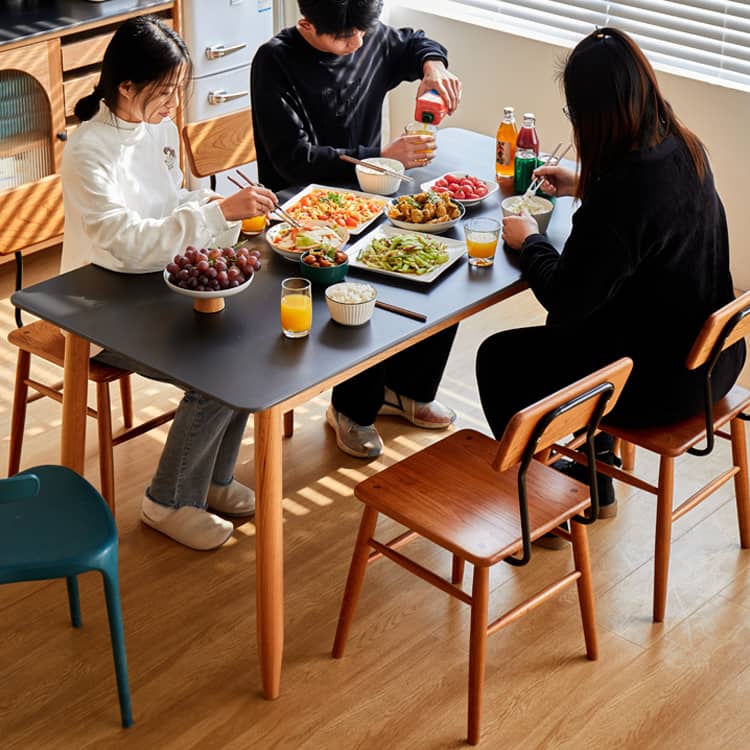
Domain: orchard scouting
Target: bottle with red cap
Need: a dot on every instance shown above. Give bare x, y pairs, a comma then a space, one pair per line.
527, 151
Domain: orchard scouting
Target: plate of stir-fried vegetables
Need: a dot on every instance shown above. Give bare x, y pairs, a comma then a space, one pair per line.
394, 252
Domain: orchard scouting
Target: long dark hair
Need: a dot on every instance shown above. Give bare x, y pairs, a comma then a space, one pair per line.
144, 51
615, 105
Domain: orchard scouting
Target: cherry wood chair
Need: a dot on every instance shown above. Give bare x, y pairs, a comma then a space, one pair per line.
218, 144
42, 339
670, 442
485, 501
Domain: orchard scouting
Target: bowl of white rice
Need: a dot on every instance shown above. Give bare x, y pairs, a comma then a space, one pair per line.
540, 208
351, 303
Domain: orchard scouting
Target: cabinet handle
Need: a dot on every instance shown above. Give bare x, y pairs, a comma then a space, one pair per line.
221, 96
219, 50
61, 136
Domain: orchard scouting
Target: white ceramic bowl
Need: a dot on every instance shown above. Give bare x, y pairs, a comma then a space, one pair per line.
294, 255
351, 303
372, 181
541, 209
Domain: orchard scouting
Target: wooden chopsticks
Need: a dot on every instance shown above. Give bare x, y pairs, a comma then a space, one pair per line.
421, 317
376, 167
277, 208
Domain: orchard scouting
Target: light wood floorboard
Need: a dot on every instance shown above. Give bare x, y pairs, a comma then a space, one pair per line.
190, 617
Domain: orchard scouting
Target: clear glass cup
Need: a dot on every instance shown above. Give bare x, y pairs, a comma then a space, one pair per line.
422, 128
481, 240
296, 307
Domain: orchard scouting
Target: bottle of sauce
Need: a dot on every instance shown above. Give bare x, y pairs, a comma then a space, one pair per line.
506, 145
430, 108
527, 151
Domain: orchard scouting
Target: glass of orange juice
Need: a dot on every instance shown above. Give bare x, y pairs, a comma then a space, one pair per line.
481, 240
426, 129
296, 307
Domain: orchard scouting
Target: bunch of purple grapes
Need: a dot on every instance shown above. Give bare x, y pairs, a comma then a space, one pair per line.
214, 269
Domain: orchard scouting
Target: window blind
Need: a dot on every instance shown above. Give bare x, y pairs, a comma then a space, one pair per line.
707, 37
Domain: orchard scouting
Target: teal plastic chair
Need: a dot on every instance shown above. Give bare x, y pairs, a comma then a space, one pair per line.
54, 524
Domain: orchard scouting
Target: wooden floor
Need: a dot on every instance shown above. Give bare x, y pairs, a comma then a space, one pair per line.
190, 617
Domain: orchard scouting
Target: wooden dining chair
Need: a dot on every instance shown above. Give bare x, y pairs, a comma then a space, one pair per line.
672, 441
218, 144
44, 340
485, 501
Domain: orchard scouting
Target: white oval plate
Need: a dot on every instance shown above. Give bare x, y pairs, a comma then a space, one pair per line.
438, 228
492, 188
295, 255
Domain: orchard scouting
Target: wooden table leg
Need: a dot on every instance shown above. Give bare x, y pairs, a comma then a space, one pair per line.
75, 388
269, 584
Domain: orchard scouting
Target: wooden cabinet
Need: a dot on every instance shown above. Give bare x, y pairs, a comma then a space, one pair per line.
41, 79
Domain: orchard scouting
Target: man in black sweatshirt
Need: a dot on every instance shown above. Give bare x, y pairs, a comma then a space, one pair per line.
317, 92
318, 89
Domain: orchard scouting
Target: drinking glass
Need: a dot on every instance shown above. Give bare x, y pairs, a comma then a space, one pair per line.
296, 307
481, 240
423, 128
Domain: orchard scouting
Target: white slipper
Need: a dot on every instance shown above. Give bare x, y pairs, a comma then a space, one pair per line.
194, 527
233, 499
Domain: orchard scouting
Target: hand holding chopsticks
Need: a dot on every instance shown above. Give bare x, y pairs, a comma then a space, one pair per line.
277, 208
553, 161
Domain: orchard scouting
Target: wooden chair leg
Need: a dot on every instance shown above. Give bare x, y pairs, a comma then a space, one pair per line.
355, 579
741, 480
585, 585
126, 399
663, 543
477, 650
457, 570
18, 416
627, 454
289, 423
106, 457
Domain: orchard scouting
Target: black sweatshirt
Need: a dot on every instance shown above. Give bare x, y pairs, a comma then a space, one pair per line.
310, 106
646, 262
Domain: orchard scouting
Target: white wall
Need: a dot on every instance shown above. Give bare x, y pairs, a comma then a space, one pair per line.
499, 69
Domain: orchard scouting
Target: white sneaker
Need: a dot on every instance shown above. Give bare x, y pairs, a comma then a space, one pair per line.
233, 499
430, 415
194, 527
361, 441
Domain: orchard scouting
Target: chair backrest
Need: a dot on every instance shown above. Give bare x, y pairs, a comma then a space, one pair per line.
722, 329
576, 407
18, 488
221, 143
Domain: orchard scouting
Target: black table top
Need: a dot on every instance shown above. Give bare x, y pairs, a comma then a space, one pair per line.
239, 356
20, 19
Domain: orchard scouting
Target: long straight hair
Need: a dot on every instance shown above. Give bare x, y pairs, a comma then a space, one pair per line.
616, 106
144, 51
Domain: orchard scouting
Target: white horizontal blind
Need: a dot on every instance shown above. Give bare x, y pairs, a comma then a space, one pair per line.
708, 37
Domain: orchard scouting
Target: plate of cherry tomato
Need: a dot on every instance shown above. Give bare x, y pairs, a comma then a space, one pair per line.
462, 187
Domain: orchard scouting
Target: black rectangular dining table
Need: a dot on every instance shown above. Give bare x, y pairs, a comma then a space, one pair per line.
240, 357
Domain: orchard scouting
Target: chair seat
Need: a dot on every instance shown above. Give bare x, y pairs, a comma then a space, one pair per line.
66, 527
482, 525
45, 340
674, 440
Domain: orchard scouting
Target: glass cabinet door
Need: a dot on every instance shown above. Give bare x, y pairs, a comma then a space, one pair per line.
25, 130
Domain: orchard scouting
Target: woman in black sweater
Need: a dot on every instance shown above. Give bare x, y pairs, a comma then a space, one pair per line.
646, 262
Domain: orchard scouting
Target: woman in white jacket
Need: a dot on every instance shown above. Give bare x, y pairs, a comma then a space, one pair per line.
125, 210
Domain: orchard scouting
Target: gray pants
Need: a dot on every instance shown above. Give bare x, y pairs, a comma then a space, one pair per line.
202, 445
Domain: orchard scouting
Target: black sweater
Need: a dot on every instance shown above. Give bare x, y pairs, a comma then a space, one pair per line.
646, 262
310, 106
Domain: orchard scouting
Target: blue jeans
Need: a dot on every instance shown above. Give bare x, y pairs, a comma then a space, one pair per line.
202, 446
